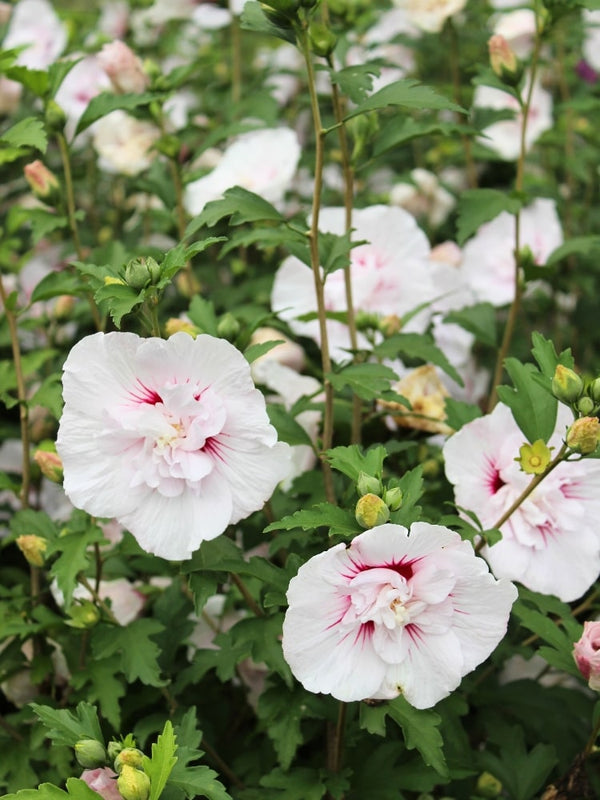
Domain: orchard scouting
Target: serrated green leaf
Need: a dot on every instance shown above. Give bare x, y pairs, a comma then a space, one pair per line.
103, 687
28, 521
240, 205
159, 766
421, 731
480, 320
202, 313
407, 93
102, 104
545, 354
79, 790
281, 710
356, 81
334, 251
397, 132
74, 557
119, 299
199, 781
300, 783
66, 727
476, 206
459, 413
533, 408
139, 654
45, 791
322, 515
418, 346
29, 132
368, 381
412, 486
351, 460
49, 395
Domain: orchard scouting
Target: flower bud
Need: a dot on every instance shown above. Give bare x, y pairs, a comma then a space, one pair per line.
583, 435
133, 783
322, 39
368, 484
393, 498
371, 511
586, 653
84, 615
503, 61
33, 548
90, 753
390, 324
113, 749
174, 325
585, 405
129, 756
594, 390
54, 117
123, 67
567, 386
534, 458
43, 183
50, 464
63, 307
488, 785
228, 327
366, 320
140, 272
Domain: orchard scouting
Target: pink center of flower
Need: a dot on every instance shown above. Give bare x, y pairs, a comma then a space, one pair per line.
173, 428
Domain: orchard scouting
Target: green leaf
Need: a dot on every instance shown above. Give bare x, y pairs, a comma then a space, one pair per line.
104, 103
300, 783
418, 346
351, 460
56, 284
49, 395
74, 556
119, 299
334, 251
579, 245
199, 781
288, 430
28, 521
254, 19
459, 413
356, 81
240, 205
323, 515
103, 687
533, 408
79, 790
407, 93
45, 791
36, 80
139, 654
254, 351
368, 381
476, 206
397, 132
159, 767
58, 71
411, 484
29, 132
480, 320
202, 313
281, 710
67, 728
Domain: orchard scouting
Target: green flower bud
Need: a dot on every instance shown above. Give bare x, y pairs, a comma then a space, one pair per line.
504, 61
84, 614
365, 320
55, 117
228, 327
371, 511
168, 145
594, 390
393, 498
90, 753
113, 749
33, 548
368, 484
133, 783
584, 435
129, 756
322, 39
567, 386
140, 272
488, 785
585, 405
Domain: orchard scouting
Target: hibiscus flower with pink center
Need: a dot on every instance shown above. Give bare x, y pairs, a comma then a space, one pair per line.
169, 437
394, 613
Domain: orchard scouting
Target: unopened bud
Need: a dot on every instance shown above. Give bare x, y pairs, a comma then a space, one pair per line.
174, 325
113, 749
33, 548
583, 435
567, 386
488, 785
50, 464
585, 405
228, 327
371, 511
594, 390
123, 67
366, 320
129, 756
169, 145
390, 324
393, 498
140, 272
83, 615
503, 61
368, 484
322, 39
63, 307
534, 458
90, 753
133, 784
586, 653
55, 117
43, 183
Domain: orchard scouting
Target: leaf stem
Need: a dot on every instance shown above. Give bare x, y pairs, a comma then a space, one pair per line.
245, 592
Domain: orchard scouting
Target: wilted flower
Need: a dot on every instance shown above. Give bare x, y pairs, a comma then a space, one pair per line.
586, 653
551, 542
180, 438
426, 393
394, 613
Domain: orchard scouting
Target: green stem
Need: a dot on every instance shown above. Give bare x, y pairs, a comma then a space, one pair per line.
236, 61
456, 86
313, 236
181, 218
245, 592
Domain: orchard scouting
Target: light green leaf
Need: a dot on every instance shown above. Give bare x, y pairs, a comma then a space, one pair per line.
533, 407
406, 93
419, 346
240, 205
368, 381
323, 515
159, 767
29, 132
66, 727
104, 103
480, 320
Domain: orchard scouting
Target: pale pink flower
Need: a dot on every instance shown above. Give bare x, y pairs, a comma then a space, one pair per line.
504, 137
114, 18
123, 67
263, 161
586, 653
103, 781
391, 274
394, 613
551, 543
35, 24
124, 144
430, 15
169, 437
488, 258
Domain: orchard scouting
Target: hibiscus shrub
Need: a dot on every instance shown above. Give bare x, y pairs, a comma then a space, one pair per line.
299, 464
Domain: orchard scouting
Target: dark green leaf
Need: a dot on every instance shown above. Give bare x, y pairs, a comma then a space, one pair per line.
56, 284
351, 460
119, 299
406, 93
480, 320
288, 430
579, 245
368, 381
240, 205
104, 103
74, 558
533, 408
340, 520
459, 413
36, 80
66, 727
396, 132
139, 654
254, 19
356, 81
